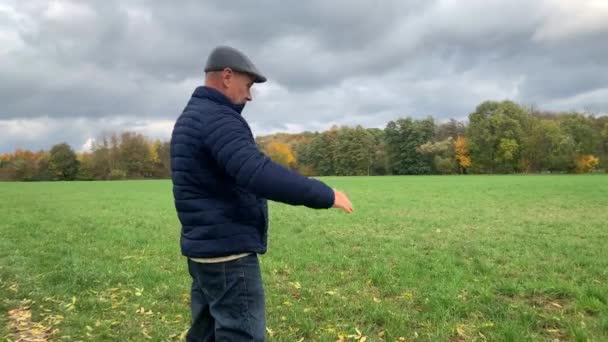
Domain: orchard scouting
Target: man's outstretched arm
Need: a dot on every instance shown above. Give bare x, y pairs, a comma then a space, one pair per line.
227, 139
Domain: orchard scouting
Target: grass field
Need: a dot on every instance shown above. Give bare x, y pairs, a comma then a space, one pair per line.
508, 258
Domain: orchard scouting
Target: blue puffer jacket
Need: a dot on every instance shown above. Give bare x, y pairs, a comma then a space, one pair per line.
221, 180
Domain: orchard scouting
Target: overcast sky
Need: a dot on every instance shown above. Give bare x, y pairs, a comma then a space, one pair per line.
72, 69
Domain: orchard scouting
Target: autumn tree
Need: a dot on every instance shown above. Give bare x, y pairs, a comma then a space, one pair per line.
461, 153
586, 163
281, 153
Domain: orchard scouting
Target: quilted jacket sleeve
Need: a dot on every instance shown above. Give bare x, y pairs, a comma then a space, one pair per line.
229, 141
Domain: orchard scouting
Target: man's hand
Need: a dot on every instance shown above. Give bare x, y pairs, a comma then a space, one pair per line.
342, 202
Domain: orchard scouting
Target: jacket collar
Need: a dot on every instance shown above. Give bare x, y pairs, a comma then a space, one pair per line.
216, 96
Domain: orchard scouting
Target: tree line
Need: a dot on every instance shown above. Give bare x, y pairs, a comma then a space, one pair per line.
498, 137
128, 155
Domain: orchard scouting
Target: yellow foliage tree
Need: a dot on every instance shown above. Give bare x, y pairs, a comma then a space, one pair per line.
154, 147
281, 153
587, 163
461, 151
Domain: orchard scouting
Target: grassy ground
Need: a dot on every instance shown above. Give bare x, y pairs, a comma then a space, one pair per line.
510, 258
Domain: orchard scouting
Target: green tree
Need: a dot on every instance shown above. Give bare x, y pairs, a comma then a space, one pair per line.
535, 146
63, 163
164, 155
379, 159
402, 139
100, 158
603, 124
43, 172
581, 129
85, 171
134, 156
354, 152
442, 152
322, 152
560, 147
452, 128
495, 134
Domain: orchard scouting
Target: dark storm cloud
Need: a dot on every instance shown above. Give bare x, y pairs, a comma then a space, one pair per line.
339, 62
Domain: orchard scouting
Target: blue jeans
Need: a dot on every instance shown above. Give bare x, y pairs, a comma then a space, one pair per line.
227, 301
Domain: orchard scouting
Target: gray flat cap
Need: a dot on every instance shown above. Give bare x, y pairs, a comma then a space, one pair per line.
227, 57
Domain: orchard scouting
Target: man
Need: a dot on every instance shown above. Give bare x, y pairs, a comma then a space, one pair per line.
220, 184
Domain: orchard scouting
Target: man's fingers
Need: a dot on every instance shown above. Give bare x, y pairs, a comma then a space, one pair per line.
348, 209
342, 202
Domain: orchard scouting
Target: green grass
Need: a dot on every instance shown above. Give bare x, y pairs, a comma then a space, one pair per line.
511, 258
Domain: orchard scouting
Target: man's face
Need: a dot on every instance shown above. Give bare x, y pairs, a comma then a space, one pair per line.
238, 86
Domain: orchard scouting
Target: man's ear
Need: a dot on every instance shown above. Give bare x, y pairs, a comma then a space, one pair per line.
227, 76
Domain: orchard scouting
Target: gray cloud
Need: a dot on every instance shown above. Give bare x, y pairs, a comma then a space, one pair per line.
68, 64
